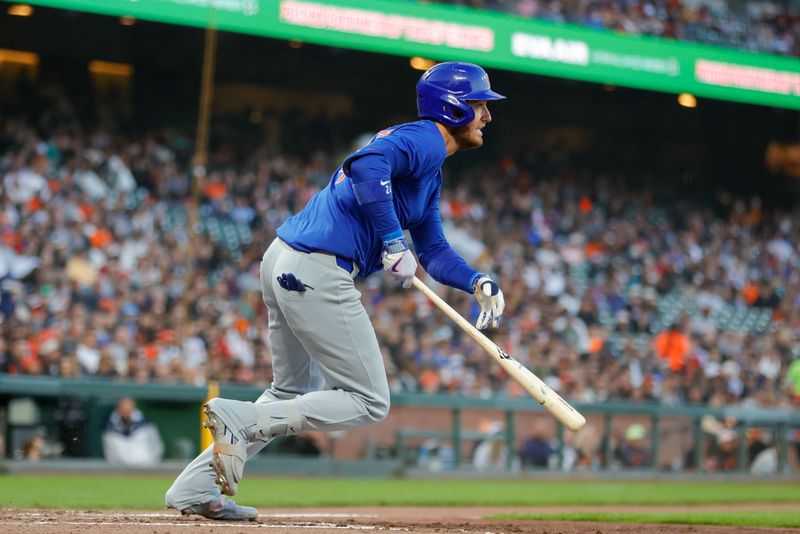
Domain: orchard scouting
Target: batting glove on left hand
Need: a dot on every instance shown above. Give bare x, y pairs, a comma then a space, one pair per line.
399, 261
489, 296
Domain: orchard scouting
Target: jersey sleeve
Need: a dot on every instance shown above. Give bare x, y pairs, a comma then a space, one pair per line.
371, 170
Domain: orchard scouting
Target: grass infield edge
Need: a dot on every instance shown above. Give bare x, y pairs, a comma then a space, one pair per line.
753, 518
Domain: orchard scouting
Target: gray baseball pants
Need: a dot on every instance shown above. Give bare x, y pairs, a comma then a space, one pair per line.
319, 336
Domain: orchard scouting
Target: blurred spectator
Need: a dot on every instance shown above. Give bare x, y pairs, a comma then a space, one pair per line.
491, 452
756, 25
33, 450
581, 449
633, 453
435, 456
36, 447
673, 346
537, 449
129, 438
761, 457
721, 452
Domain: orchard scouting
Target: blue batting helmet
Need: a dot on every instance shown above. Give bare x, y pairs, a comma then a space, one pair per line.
444, 89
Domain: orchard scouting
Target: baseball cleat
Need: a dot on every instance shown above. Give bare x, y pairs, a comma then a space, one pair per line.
230, 450
223, 509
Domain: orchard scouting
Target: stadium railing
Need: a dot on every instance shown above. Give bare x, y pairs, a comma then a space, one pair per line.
174, 408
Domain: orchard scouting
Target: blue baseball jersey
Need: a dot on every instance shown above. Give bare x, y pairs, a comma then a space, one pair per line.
334, 221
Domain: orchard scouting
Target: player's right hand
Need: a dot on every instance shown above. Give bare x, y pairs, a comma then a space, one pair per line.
399, 261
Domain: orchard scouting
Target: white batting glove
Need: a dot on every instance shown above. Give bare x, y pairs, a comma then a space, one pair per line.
489, 296
399, 261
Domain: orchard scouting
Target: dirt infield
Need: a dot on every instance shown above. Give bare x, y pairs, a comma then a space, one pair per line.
389, 519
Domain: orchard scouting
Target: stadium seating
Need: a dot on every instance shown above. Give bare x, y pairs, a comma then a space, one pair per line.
585, 311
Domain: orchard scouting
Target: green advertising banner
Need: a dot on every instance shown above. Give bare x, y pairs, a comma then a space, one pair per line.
491, 39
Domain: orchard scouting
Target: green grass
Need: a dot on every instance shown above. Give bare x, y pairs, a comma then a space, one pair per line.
143, 492
753, 518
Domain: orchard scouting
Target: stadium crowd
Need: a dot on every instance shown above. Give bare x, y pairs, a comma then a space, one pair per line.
759, 26
611, 294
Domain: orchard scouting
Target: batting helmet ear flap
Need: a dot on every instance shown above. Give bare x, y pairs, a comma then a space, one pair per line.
460, 113
447, 109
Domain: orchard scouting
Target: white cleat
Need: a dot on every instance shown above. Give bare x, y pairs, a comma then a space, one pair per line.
230, 450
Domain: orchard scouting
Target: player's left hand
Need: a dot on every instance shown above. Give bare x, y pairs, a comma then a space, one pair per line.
489, 296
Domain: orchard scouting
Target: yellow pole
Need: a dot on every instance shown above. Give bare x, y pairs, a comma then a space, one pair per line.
205, 434
206, 99
200, 158
199, 171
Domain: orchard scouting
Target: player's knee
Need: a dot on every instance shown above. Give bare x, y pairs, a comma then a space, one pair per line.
378, 405
378, 411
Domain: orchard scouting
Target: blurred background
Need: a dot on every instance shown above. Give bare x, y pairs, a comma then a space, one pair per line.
636, 198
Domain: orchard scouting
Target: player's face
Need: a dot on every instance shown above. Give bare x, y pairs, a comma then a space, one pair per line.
471, 135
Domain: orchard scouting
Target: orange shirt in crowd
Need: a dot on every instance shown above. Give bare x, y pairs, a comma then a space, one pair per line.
215, 190
672, 346
596, 344
101, 238
594, 248
750, 293
429, 381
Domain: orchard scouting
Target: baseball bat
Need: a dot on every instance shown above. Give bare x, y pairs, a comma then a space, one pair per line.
549, 399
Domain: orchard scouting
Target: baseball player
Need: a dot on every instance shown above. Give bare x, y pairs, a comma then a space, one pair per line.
319, 331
